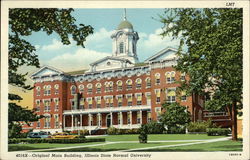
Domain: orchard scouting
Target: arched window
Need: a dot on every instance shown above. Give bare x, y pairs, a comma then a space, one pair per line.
106, 86
172, 77
56, 86
48, 88
110, 86
138, 83
171, 95
119, 85
89, 86
121, 47
38, 91
168, 77
81, 88
98, 88
73, 89
129, 84
148, 82
157, 78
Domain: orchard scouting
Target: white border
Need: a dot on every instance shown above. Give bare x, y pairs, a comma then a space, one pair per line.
127, 4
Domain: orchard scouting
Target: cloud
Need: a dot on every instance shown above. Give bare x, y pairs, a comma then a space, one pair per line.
56, 45
150, 44
78, 60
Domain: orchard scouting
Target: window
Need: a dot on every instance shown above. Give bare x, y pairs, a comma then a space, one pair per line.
73, 90
129, 99
106, 86
110, 86
98, 88
138, 117
56, 86
172, 77
98, 102
37, 105
46, 105
47, 122
90, 103
168, 77
157, 79
119, 85
148, 82
56, 120
158, 113
138, 83
38, 124
158, 96
56, 100
134, 48
81, 103
38, 91
72, 102
121, 47
81, 88
171, 95
119, 101
149, 116
139, 99
89, 86
183, 76
129, 84
47, 90
109, 101
183, 96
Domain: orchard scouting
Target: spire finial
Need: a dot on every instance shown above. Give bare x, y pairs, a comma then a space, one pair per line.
125, 15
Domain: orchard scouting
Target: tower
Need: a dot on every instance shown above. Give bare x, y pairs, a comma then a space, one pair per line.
125, 40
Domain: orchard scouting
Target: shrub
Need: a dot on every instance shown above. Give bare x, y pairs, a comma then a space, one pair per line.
200, 126
155, 127
143, 137
176, 130
84, 132
217, 131
112, 131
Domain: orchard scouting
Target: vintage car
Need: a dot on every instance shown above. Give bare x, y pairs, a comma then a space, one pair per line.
38, 135
63, 135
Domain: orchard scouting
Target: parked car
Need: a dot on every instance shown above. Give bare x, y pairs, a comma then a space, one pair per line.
38, 135
63, 135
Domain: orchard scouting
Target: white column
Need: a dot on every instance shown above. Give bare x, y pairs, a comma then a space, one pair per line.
72, 121
111, 119
81, 120
140, 116
89, 116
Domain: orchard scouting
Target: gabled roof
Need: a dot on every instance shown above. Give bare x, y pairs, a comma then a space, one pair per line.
46, 71
167, 52
111, 58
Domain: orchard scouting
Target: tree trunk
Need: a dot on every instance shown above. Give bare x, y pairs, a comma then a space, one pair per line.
234, 122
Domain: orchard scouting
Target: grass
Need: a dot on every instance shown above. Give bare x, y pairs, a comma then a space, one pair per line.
124, 144
22, 147
207, 147
159, 137
117, 147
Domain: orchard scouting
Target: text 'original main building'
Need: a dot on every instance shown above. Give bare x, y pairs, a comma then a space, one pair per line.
116, 91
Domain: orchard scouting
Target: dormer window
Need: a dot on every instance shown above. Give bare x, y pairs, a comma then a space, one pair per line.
121, 47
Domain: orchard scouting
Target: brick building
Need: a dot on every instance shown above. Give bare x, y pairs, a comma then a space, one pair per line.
116, 91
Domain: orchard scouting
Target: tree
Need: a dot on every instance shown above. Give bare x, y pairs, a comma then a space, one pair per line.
175, 118
24, 22
213, 60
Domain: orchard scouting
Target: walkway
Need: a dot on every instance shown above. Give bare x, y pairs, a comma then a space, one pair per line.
137, 149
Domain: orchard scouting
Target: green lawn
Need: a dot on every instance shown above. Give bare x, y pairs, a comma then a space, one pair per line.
207, 147
159, 137
124, 144
117, 147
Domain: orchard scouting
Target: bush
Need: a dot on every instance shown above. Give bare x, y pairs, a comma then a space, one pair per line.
143, 137
218, 131
200, 126
48, 140
155, 127
82, 132
176, 130
112, 131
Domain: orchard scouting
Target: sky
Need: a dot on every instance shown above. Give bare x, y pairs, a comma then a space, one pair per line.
104, 21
